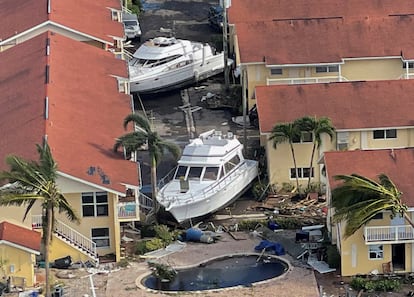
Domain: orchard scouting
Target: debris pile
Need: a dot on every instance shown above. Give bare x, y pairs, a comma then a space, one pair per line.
311, 207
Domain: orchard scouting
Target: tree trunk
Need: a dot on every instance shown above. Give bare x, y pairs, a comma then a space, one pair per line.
296, 167
47, 248
408, 218
154, 184
311, 163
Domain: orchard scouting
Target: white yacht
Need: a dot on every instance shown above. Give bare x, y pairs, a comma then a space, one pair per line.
165, 63
210, 175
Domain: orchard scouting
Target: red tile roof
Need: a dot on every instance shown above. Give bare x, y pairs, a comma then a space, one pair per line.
313, 41
350, 105
244, 11
85, 109
89, 17
397, 164
19, 235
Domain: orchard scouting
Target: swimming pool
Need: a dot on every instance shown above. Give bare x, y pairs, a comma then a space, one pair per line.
223, 272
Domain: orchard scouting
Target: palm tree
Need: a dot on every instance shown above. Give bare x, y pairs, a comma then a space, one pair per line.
31, 181
143, 134
358, 199
317, 127
286, 132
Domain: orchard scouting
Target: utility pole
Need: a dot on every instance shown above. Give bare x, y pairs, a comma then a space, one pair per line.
225, 4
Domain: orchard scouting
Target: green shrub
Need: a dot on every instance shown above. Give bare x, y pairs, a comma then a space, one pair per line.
162, 232
162, 271
333, 257
154, 244
141, 248
249, 225
368, 285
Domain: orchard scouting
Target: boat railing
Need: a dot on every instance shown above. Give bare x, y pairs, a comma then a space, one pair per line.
167, 178
199, 195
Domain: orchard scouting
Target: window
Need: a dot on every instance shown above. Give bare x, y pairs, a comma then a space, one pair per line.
195, 172
181, 171
321, 69
229, 165
304, 137
375, 252
276, 71
211, 173
385, 134
95, 204
100, 236
378, 216
302, 172
410, 65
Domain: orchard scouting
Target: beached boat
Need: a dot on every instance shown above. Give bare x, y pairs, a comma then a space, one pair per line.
211, 173
165, 63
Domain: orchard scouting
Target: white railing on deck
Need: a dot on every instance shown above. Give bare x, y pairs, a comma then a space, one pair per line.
71, 235
145, 203
389, 233
304, 80
127, 210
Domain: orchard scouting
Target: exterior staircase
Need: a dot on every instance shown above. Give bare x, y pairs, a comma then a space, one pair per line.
145, 203
71, 237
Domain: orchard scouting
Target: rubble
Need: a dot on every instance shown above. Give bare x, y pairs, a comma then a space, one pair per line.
312, 207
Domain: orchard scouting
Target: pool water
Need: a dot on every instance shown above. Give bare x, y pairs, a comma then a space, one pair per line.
222, 273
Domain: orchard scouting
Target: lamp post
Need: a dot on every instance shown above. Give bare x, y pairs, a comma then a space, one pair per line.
225, 4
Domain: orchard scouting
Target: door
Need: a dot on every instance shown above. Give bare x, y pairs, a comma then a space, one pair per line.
398, 256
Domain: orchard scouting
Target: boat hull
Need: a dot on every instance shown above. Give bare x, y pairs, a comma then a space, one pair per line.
177, 78
184, 211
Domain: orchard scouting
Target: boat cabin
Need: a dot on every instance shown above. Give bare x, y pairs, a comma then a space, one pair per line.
206, 172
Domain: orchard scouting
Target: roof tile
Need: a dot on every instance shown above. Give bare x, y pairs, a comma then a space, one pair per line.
397, 164
19, 235
350, 105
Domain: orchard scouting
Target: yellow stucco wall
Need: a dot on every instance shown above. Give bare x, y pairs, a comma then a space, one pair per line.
22, 262
15, 215
373, 69
279, 160
355, 253
60, 249
88, 223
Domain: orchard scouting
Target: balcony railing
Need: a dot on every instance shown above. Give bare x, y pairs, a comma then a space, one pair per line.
389, 234
304, 80
127, 210
72, 236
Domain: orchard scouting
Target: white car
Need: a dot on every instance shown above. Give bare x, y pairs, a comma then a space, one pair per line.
131, 25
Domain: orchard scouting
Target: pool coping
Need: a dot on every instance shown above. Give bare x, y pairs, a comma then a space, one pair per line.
138, 280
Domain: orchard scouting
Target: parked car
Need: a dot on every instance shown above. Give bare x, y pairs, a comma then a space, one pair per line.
131, 25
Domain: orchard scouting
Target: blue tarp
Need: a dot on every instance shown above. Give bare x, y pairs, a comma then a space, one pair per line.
275, 247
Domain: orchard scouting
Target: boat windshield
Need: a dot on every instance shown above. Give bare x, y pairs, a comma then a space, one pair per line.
197, 172
181, 172
152, 63
211, 173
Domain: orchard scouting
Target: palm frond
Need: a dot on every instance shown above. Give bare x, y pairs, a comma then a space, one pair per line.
139, 121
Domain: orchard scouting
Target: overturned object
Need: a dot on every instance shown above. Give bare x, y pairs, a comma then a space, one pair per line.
275, 247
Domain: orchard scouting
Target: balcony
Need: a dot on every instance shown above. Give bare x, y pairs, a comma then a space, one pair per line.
304, 80
128, 208
389, 234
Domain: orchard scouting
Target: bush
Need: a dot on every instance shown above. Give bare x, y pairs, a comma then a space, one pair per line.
141, 248
154, 244
162, 232
383, 285
249, 225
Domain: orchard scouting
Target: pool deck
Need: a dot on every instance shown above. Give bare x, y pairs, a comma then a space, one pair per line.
299, 281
